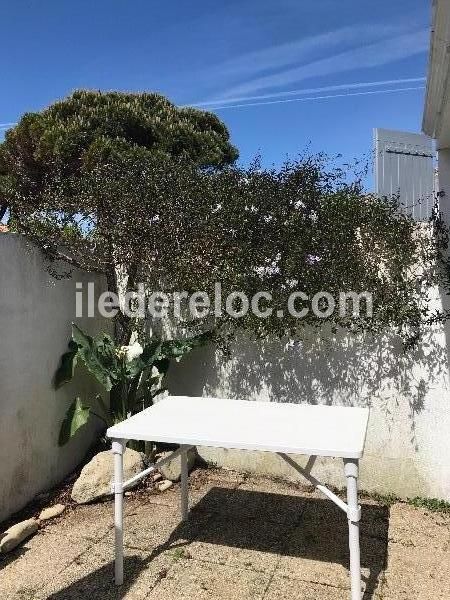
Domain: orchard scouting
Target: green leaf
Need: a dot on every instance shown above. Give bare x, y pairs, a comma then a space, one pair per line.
79, 337
67, 366
150, 352
98, 356
77, 415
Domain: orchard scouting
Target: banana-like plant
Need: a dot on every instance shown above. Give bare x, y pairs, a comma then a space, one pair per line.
133, 376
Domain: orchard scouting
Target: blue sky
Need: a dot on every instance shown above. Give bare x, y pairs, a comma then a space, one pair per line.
222, 53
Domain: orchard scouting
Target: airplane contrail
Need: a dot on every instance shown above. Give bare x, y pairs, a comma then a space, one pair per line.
242, 100
328, 88
310, 98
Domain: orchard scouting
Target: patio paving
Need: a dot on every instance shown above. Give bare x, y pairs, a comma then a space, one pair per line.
247, 538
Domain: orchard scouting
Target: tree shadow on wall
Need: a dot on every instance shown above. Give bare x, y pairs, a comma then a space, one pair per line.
320, 369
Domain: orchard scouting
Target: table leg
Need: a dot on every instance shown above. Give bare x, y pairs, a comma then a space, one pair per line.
351, 467
118, 449
184, 484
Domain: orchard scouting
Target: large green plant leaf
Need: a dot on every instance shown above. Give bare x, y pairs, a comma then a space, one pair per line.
77, 415
124, 380
98, 356
67, 365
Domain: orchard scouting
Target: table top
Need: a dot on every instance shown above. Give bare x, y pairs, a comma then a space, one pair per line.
250, 425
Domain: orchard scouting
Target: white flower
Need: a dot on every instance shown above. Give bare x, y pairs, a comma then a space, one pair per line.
155, 372
312, 259
132, 352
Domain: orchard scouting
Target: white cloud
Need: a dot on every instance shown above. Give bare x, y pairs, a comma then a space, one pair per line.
289, 53
367, 55
284, 54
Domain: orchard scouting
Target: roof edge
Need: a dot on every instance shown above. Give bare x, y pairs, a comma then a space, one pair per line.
437, 88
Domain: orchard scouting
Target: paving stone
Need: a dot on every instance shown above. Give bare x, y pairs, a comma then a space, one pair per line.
317, 508
213, 496
413, 574
318, 552
273, 501
156, 528
374, 517
92, 576
89, 521
201, 581
419, 554
202, 483
375, 520
39, 559
245, 543
416, 527
92, 521
247, 537
283, 588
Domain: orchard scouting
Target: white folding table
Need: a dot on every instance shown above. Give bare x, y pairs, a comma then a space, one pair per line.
282, 428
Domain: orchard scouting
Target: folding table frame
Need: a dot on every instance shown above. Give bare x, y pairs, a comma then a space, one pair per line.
351, 470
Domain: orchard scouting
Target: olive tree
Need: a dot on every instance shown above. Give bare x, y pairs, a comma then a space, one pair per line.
51, 159
134, 188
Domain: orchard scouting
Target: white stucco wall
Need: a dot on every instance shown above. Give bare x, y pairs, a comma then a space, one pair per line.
36, 312
444, 182
408, 443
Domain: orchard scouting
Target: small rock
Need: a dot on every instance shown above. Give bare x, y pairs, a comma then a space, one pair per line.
95, 479
127, 493
172, 469
157, 477
164, 485
51, 512
17, 533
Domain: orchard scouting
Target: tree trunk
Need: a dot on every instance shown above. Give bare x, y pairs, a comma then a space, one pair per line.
122, 324
122, 331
